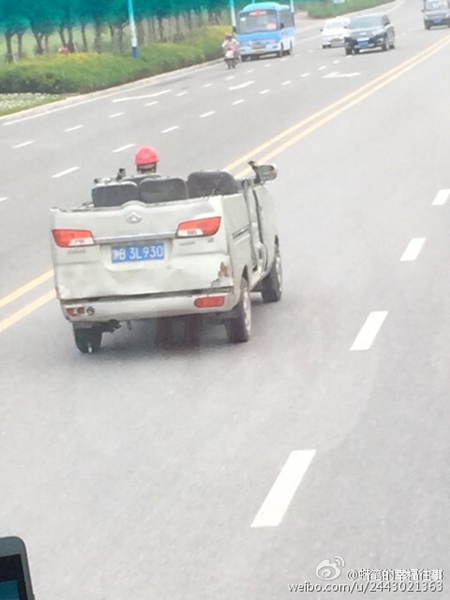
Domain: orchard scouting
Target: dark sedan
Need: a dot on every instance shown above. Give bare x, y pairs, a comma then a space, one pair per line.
436, 13
369, 31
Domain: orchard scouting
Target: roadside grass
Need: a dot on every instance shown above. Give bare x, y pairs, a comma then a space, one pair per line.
328, 10
87, 72
12, 103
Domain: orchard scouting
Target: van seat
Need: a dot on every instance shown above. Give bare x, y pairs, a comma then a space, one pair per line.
114, 194
211, 183
153, 190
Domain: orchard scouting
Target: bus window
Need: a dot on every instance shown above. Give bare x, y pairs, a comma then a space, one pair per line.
258, 20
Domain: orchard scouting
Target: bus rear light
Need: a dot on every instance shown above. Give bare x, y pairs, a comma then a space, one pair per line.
199, 227
209, 301
70, 238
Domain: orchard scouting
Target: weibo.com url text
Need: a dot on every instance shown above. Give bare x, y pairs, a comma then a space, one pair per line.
368, 587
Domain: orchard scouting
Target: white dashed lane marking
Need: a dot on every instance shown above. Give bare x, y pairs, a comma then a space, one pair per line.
23, 144
413, 249
119, 114
265, 92
122, 148
305, 75
286, 82
170, 129
369, 330
207, 85
74, 128
152, 103
207, 114
441, 197
3, 199
322, 68
181, 94
66, 172
278, 499
237, 102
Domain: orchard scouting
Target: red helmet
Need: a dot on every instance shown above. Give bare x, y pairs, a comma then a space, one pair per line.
146, 156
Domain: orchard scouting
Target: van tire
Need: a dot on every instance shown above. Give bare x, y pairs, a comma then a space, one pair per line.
272, 284
239, 327
89, 340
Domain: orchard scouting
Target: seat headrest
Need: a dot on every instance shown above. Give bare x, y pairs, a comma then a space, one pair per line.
114, 194
211, 183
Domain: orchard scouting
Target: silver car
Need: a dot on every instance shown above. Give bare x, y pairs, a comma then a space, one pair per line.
333, 32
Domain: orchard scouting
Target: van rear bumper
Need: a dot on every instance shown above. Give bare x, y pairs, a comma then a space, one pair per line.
104, 310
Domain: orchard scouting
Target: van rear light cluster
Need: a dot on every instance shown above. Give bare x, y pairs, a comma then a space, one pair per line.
70, 238
199, 227
75, 311
209, 301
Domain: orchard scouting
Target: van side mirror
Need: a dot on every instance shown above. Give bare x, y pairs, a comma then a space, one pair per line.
264, 172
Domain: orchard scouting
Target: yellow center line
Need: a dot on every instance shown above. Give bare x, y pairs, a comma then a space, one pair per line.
26, 310
328, 113
26, 288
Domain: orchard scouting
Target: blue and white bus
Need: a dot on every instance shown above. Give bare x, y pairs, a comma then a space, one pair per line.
265, 28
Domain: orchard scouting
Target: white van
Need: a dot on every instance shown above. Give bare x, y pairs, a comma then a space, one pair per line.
149, 247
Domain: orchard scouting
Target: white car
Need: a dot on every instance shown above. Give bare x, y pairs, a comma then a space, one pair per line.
333, 32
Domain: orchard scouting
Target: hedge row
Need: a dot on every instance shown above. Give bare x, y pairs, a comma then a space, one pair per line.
80, 73
326, 10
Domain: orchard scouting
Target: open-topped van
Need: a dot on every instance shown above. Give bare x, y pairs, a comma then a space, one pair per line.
162, 247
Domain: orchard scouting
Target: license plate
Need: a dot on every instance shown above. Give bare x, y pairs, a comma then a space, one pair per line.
259, 51
137, 253
437, 20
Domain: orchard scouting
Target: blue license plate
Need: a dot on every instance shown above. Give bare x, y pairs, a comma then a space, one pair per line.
137, 253
437, 20
363, 43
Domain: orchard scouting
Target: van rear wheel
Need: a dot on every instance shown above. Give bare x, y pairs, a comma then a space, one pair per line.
239, 327
89, 340
272, 284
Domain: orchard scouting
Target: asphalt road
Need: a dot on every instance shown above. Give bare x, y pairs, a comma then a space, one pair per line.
141, 472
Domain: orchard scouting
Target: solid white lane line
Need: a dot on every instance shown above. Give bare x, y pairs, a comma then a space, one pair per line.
237, 102
122, 148
116, 115
265, 92
441, 197
413, 249
152, 103
369, 330
23, 144
142, 96
181, 94
170, 129
207, 114
278, 499
286, 82
74, 128
207, 85
66, 172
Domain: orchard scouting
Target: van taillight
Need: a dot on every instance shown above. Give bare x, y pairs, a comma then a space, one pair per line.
209, 301
199, 227
68, 238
